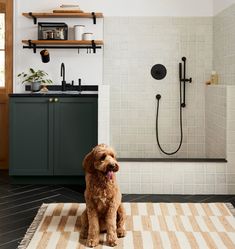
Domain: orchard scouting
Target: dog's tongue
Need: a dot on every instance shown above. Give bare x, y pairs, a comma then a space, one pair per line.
110, 175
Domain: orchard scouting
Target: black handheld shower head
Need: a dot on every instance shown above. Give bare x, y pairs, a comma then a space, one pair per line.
158, 96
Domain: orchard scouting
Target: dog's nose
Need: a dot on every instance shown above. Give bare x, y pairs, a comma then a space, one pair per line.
112, 166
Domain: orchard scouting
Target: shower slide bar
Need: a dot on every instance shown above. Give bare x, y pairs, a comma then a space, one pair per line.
183, 80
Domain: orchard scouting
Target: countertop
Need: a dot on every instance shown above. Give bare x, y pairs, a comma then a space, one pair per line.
55, 91
58, 94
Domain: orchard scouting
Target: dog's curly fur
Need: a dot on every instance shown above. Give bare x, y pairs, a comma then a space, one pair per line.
104, 210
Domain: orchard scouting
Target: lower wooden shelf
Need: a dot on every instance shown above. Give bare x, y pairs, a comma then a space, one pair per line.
63, 44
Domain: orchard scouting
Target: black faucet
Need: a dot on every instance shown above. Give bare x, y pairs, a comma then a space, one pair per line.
79, 85
62, 74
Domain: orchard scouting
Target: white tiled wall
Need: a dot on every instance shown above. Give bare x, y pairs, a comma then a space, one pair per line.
224, 48
174, 178
216, 106
103, 115
183, 177
231, 137
132, 46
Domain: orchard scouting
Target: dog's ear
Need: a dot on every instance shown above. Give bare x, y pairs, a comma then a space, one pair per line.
88, 162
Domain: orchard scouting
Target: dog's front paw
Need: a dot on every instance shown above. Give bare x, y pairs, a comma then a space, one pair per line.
111, 240
112, 243
121, 232
92, 242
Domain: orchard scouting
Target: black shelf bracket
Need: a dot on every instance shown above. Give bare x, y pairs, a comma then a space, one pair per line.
33, 46
94, 17
93, 46
34, 17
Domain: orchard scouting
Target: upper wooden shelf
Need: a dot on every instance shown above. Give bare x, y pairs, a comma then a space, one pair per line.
36, 15
54, 15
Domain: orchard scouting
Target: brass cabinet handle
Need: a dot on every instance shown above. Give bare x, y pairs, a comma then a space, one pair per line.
56, 100
50, 100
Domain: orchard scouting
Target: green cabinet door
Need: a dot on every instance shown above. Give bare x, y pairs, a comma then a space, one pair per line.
75, 133
31, 144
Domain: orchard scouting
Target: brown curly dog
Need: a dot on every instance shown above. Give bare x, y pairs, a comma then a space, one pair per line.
104, 210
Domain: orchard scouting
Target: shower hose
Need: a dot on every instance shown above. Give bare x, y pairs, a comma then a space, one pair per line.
158, 96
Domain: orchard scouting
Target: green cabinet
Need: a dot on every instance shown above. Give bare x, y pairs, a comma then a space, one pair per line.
49, 136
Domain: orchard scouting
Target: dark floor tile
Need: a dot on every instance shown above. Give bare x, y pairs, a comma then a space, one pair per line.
77, 188
220, 198
197, 198
13, 244
65, 199
17, 217
70, 193
19, 200
14, 235
14, 223
25, 206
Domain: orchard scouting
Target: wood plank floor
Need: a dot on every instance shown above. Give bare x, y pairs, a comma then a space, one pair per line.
19, 204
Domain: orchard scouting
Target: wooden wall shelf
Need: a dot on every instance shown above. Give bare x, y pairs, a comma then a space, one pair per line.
63, 44
35, 15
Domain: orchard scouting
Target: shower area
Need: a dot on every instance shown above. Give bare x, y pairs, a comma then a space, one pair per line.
132, 46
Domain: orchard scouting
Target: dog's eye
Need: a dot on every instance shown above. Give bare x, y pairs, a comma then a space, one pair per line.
103, 157
112, 155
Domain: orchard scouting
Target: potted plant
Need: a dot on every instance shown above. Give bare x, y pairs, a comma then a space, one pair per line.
35, 78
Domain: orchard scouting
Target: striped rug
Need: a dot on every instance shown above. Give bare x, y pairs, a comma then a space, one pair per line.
149, 226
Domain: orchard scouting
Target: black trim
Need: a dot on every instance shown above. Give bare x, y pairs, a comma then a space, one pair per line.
189, 160
35, 95
70, 88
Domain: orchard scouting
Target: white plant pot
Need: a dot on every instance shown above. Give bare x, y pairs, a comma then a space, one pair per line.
35, 86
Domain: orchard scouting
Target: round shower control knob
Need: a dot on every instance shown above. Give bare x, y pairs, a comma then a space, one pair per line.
50, 100
158, 71
56, 100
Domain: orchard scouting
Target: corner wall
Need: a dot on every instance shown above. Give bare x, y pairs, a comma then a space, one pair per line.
216, 121
223, 45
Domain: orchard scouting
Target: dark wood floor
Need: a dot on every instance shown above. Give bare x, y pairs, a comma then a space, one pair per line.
19, 204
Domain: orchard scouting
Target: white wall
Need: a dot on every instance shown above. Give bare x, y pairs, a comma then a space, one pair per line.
133, 7
88, 67
220, 5
150, 7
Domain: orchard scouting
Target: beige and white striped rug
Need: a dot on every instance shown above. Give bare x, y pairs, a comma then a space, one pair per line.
149, 225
